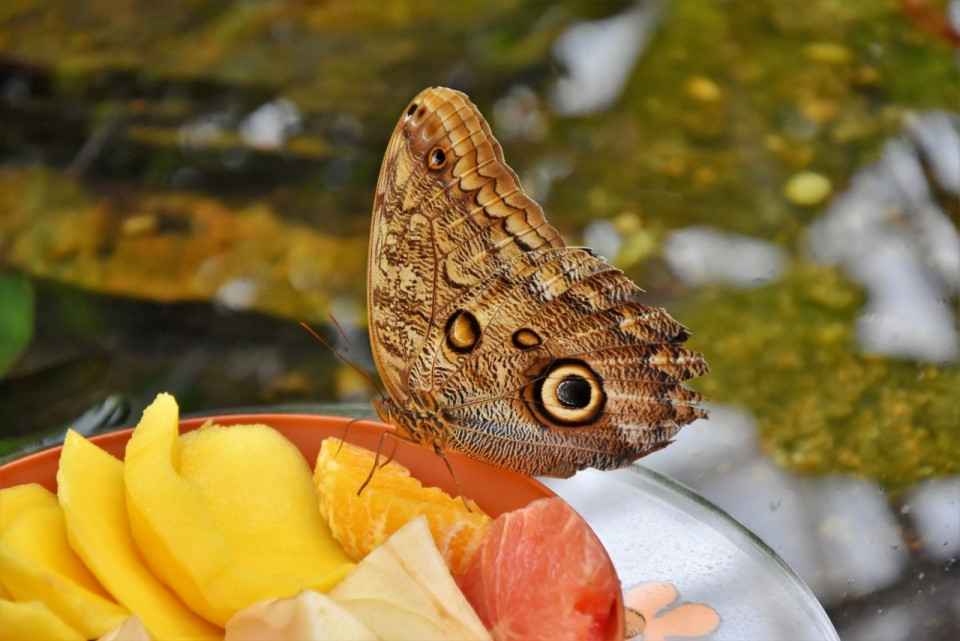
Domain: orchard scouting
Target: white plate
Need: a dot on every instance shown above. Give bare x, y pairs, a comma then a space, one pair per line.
666, 541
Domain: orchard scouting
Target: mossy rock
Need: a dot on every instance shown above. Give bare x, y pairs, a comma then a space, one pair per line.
788, 353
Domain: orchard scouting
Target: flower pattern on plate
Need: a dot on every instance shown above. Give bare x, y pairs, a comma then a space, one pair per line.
653, 613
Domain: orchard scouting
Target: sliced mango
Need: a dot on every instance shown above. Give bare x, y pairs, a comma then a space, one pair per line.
15, 500
403, 591
37, 564
308, 615
259, 491
33, 622
226, 516
91, 491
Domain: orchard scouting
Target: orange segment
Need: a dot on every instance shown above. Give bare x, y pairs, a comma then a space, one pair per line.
392, 498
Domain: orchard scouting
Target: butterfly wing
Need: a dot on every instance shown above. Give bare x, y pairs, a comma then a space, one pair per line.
439, 227
537, 355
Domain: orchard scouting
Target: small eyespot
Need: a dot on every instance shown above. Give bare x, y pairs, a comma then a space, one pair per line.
463, 331
411, 110
525, 339
438, 158
421, 111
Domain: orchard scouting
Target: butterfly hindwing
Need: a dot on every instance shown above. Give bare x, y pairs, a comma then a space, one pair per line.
492, 337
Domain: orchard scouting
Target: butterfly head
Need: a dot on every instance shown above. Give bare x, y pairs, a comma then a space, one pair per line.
420, 420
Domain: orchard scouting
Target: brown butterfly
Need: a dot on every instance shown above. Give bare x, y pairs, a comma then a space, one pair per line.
493, 338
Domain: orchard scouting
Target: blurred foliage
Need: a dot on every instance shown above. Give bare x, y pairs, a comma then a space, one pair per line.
124, 172
787, 352
16, 317
802, 85
134, 97
175, 247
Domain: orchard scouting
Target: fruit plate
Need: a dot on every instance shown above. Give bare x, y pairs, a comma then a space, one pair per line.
495, 491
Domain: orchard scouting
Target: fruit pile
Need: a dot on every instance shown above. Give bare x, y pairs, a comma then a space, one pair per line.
219, 533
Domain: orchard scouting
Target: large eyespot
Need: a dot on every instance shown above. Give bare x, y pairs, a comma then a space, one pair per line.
438, 158
463, 332
525, 339
569, 393
411, 111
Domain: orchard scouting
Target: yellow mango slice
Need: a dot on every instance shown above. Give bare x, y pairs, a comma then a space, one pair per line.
15, 500
33, 622
37, 564
92, 493
226, 516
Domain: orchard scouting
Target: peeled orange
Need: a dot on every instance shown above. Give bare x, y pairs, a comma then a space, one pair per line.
390, 501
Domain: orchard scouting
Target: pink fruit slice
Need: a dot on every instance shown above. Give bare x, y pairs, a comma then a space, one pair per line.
541, 573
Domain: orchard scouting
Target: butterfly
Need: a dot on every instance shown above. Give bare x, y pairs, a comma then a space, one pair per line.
493, 338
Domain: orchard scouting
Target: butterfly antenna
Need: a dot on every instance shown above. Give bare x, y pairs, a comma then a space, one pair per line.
455, 479
342, 333
356, 368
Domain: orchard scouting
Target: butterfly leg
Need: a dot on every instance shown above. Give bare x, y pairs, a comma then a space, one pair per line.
398, 437
376, 460
390, 458
436, 448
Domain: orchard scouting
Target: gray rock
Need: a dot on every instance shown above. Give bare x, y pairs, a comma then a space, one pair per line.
703, 254
892, 237
896, 624
934, 508
858, 536
598, 56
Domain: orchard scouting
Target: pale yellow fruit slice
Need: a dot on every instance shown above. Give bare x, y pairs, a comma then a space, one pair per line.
130, 630
403, 591
308, 615
226, 516
91, 491
33, 622
37, 564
